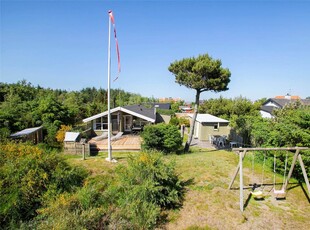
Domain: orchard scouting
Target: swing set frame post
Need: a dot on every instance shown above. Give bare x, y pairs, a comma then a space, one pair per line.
241, 156
237, 169
242, 153
291, 169
303, 169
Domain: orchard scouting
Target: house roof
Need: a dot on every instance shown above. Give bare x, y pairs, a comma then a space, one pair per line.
26, 132
185, 108
305, 101
287, 96
71, 136
162, 105
208, 118
281, 102
135, 110
267, 109
142, 112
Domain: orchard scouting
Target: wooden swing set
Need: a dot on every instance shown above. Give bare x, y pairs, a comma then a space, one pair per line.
278, 193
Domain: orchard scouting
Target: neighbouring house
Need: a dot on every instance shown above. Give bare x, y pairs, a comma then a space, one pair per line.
160, 105
280, 102
208, 126
186, 109
124, 119
35, 135
169, 99
267, 111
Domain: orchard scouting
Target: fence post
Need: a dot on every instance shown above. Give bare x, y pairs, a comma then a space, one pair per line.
83, 151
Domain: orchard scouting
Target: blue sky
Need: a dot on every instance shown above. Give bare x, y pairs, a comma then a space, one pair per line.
63, 44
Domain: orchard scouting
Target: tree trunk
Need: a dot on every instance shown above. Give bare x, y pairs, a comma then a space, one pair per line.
191, 132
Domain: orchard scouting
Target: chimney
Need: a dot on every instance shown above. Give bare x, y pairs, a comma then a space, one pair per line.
288, 96
155, 109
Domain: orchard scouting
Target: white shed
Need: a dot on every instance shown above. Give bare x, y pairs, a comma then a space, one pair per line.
72, 137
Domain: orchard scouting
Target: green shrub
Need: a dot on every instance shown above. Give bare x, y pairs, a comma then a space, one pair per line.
80, 210
162, 137
29, 177
184, 121
41, 191
4, 134
89, 207
146, 186
172, 139
179, 121
132, 198
174, 121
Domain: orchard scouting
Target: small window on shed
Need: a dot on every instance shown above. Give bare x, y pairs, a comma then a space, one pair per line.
215, 127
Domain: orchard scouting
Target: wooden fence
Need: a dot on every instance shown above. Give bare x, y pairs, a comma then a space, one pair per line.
76, 148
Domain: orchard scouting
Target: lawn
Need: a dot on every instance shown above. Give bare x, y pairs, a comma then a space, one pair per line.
209, 204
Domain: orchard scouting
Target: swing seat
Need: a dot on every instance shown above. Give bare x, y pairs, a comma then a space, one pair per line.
280, 194
258, 194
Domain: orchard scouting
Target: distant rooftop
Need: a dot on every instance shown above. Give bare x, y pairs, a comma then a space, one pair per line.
169, 99
26, 132
281, 101
287, 96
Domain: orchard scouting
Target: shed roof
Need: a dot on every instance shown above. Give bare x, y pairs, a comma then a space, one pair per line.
208, 118
71, 136
25, 132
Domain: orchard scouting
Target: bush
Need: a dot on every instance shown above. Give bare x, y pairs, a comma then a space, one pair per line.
131, 198
40, 190
29, 177
61, 133
161, 137
179, 121
80, 210
146, 186
174, 121
4, 134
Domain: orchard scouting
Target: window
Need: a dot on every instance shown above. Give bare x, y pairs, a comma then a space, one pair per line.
139, 122
215, 127
101, 123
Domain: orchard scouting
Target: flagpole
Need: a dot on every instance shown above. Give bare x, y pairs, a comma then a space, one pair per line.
109, 78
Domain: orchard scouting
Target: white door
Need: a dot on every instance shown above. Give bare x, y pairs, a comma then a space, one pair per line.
127, 123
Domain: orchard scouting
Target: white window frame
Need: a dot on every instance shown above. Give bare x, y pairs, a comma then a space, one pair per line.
101, 124
217, 125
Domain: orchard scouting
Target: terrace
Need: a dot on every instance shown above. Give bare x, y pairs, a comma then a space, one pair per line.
125, 143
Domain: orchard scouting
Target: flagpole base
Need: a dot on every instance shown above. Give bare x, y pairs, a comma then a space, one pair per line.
111, 160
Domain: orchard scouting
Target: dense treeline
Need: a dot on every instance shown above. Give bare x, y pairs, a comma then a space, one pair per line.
23, 105
229, 108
